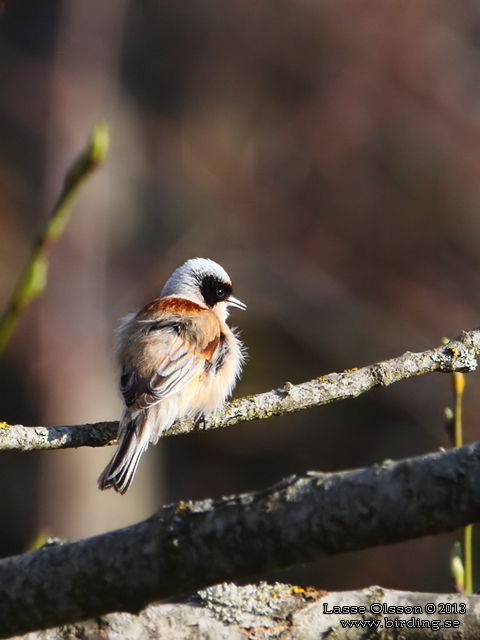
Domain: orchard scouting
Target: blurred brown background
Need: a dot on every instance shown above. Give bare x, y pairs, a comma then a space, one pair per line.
326, 153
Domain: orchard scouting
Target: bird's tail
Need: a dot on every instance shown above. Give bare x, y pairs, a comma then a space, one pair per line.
134, 439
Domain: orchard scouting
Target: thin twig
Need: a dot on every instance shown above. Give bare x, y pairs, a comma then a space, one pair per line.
34, 277
458, 389
457, 355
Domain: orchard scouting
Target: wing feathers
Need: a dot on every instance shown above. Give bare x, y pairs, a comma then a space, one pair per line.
176, 353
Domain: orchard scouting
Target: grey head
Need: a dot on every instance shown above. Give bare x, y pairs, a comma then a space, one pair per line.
203, 281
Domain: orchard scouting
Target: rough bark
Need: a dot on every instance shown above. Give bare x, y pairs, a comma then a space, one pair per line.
259, 612
189, 546
457, 355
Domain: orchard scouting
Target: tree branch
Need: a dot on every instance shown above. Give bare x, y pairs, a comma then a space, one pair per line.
457, 355
34, 277
231, 612
188, 546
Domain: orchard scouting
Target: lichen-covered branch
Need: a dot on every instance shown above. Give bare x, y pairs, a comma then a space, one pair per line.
231, 612
457, 355
19, 438
189, 546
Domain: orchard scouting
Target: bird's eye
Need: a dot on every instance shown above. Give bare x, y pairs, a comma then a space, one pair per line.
214, 290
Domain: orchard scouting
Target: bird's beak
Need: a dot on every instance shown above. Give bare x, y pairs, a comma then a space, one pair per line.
233, 302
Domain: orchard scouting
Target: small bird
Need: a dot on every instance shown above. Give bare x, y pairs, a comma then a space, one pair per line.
178, 358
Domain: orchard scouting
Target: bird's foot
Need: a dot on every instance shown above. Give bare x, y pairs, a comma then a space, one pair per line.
200, 422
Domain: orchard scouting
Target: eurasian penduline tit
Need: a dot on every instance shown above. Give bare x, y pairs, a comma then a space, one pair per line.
178, 358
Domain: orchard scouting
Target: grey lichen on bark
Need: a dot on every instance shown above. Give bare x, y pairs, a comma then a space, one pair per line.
260, 611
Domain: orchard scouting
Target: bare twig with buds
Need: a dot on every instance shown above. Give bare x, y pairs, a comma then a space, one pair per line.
34, 277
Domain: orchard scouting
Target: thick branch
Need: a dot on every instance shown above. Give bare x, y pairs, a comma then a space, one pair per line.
457, 355
189, 546
231, 612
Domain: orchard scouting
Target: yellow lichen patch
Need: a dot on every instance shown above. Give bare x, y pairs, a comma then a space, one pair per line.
183, 506
298, 590
350, 370
3, 425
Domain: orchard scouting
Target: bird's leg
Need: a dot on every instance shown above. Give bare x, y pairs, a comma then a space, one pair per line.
200, 422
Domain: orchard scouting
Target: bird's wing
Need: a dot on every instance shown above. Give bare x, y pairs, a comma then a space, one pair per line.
168, 354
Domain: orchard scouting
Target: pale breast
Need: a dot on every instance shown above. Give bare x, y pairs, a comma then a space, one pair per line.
220, 374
